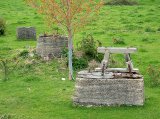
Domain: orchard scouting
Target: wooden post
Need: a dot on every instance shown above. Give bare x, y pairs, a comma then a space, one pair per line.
105, 61
129, 62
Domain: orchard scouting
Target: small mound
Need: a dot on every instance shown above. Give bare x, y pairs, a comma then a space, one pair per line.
121, 2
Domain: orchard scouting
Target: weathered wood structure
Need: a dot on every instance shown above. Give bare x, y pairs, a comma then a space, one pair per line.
110, 86
125, 51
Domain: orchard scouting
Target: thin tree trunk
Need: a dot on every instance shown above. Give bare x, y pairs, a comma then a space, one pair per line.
70, 54
70, 40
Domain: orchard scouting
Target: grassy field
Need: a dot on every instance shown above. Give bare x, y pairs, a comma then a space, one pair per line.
37, 92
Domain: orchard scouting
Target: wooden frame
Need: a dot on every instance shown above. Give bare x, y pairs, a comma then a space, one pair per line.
113, 50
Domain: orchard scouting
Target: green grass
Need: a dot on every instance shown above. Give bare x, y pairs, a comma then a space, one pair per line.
37, 92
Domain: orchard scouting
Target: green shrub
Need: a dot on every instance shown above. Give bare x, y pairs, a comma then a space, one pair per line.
154, 75
79, 63
99, 57
2, 26
89, 46
121, 2
87, 50
29, 54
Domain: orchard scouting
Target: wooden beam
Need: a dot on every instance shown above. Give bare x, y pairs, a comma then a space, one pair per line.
121, 70
116, 50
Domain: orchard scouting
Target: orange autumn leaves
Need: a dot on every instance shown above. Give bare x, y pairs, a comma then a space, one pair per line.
75, 13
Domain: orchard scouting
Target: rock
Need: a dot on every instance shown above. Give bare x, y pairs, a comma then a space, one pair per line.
63, 79
26, 33
51, 46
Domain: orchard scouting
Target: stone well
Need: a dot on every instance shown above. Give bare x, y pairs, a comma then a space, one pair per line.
111, 89
26, 33
51, 46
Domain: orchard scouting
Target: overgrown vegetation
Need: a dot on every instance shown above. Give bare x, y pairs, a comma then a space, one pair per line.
2, 26
88, 45
79, 62
25, 58
86, 51
8, 66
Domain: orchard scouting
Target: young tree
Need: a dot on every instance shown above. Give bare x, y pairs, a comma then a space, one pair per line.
69, 15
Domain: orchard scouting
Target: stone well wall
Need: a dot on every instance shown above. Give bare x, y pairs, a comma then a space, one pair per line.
93, 89
26, 33
51, 46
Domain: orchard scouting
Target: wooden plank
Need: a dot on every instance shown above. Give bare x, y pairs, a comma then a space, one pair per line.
116, 50
117, 70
